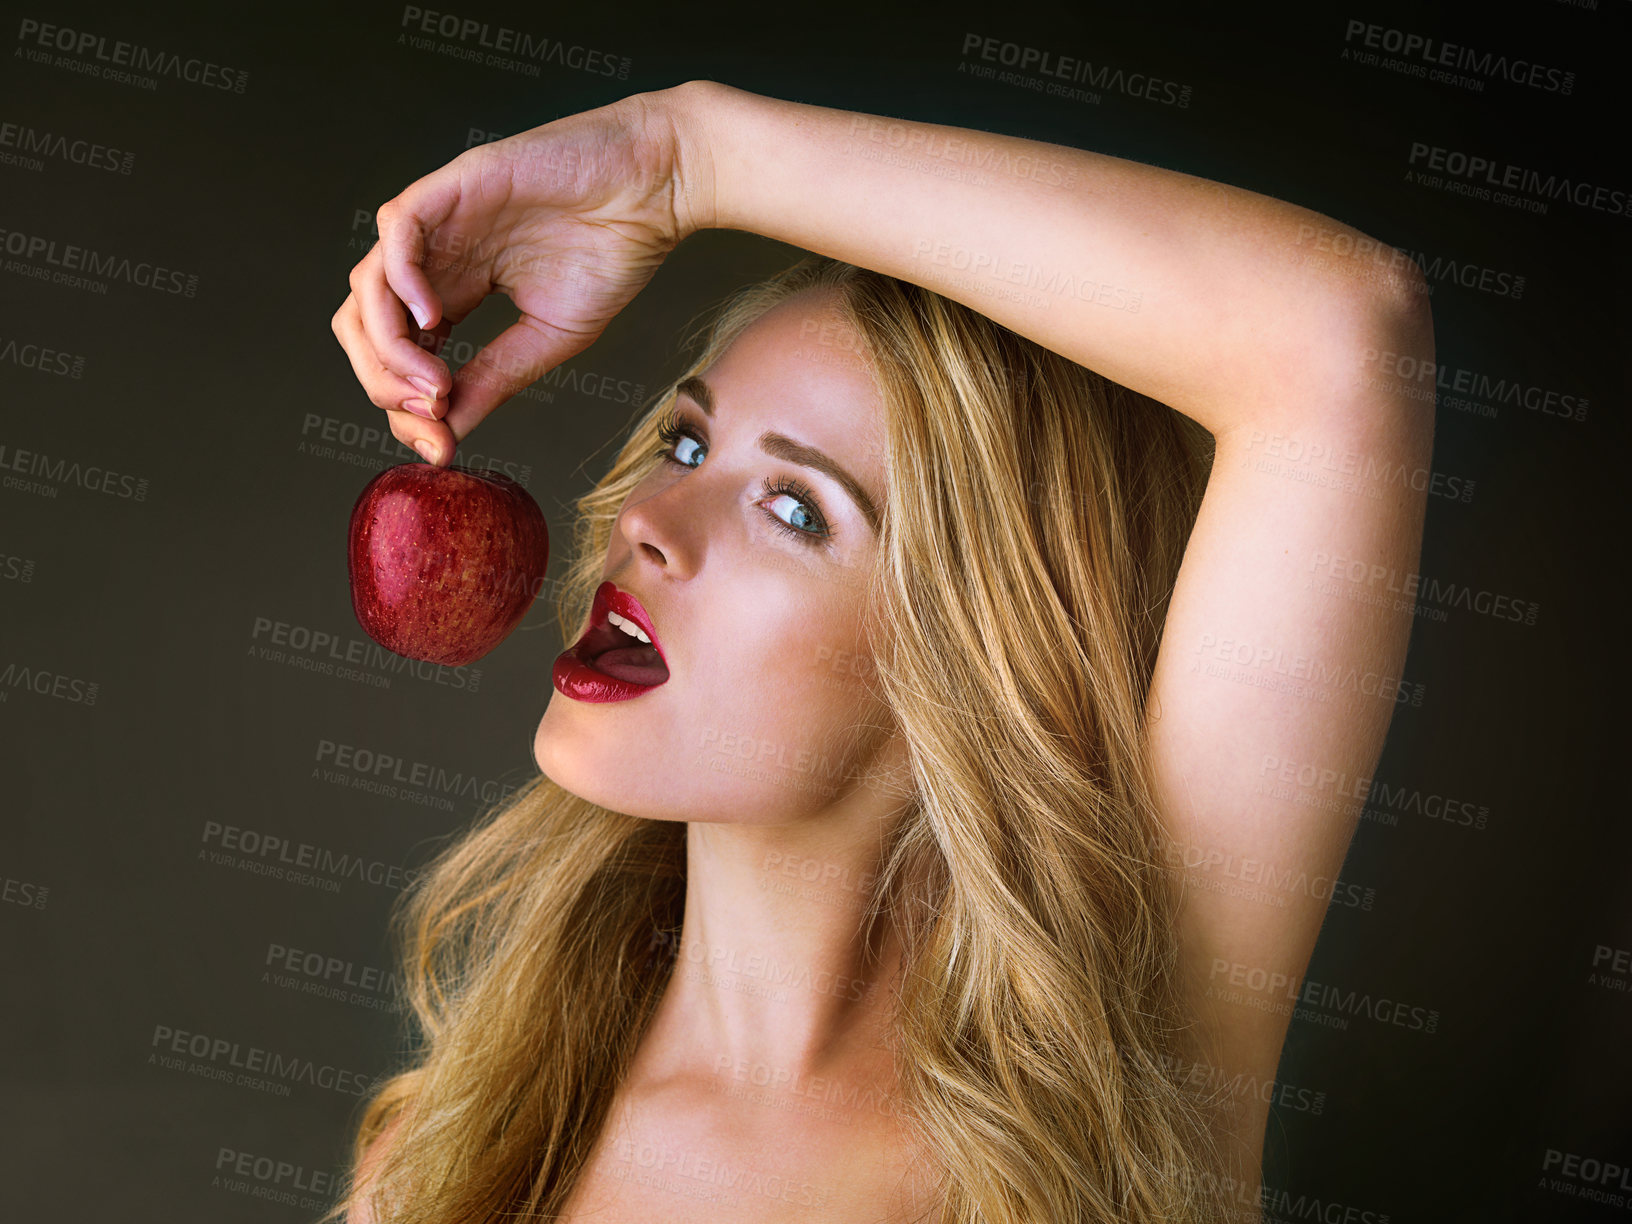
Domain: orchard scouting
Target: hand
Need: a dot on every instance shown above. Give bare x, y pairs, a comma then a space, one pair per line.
569, 220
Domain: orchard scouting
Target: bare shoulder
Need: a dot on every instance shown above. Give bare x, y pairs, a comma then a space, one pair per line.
363, 1214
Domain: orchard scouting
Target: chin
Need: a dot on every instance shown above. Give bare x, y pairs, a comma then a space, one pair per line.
547, 749
582, 763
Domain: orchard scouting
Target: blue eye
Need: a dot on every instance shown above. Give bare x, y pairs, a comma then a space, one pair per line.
671, 432
810, 524
693, 441
818, 531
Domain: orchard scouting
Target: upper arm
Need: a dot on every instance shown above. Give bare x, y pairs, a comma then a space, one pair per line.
1281, 664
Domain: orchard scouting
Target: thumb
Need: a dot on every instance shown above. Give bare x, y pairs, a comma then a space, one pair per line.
517, 357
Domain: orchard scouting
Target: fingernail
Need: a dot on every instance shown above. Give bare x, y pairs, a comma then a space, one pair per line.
429, 389
421, 315
420, 408
427, 449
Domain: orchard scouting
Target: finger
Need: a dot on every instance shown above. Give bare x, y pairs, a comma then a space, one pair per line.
418, 374
385, 388
515, 359
404, 223
433, 439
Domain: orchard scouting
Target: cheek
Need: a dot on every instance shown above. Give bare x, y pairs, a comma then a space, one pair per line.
789, 740
803, 689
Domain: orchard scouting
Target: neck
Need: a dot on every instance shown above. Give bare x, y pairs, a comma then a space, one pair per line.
776, 981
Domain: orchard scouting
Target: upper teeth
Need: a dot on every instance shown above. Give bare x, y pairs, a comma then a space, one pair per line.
628, 626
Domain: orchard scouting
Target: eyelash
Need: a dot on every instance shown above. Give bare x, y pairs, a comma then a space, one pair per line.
672, 427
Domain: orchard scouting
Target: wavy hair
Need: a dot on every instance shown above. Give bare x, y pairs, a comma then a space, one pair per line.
1035, 516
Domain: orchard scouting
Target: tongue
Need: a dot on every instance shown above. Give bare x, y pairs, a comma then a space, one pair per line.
636, 664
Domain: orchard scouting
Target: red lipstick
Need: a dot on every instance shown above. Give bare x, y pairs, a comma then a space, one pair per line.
575, 674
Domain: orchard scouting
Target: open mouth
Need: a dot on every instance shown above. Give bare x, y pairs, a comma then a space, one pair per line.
612, 644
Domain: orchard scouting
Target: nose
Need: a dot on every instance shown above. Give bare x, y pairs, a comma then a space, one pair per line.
664, 528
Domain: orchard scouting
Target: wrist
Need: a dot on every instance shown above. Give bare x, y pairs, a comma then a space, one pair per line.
685, 109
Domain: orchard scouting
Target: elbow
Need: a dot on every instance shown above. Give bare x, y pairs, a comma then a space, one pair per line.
1396, 339
1404, 305
1388, 308
1380, 300
1380, 376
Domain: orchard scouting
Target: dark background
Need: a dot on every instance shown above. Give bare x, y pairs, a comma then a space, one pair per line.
117, 920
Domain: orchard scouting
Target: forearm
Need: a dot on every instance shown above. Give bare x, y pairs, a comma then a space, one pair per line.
1209, 298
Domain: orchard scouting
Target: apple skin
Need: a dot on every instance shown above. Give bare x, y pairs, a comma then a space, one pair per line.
444, 561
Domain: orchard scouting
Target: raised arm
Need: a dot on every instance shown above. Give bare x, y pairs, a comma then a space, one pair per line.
1283, 651
1222, 303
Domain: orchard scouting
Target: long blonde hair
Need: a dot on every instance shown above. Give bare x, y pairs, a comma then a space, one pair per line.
1035, 516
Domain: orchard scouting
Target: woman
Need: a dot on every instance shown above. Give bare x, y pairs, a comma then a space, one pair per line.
905, 879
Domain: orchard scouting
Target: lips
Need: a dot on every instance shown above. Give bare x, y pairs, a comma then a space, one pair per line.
609, 599
607, 664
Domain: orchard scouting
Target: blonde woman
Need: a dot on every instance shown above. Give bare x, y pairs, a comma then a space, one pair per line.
889, 878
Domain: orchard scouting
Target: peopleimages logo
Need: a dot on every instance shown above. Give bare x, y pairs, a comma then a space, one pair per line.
28, 142
46, 360
274, 1181
72, 258
16, 569
1383, 802
1274, 990
43, 38
1474, 391
1483, 173
1256, 657
1587, 1178
1076, 70
317, 650
330, 977
1440, 54
417, 21
275, 856
248, 1066
93, 479
1436, 269
367, 769
47, 683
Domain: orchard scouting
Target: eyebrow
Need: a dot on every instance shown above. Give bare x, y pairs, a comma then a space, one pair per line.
780, 446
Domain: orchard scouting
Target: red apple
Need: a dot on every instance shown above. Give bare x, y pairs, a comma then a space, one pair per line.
444, 561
